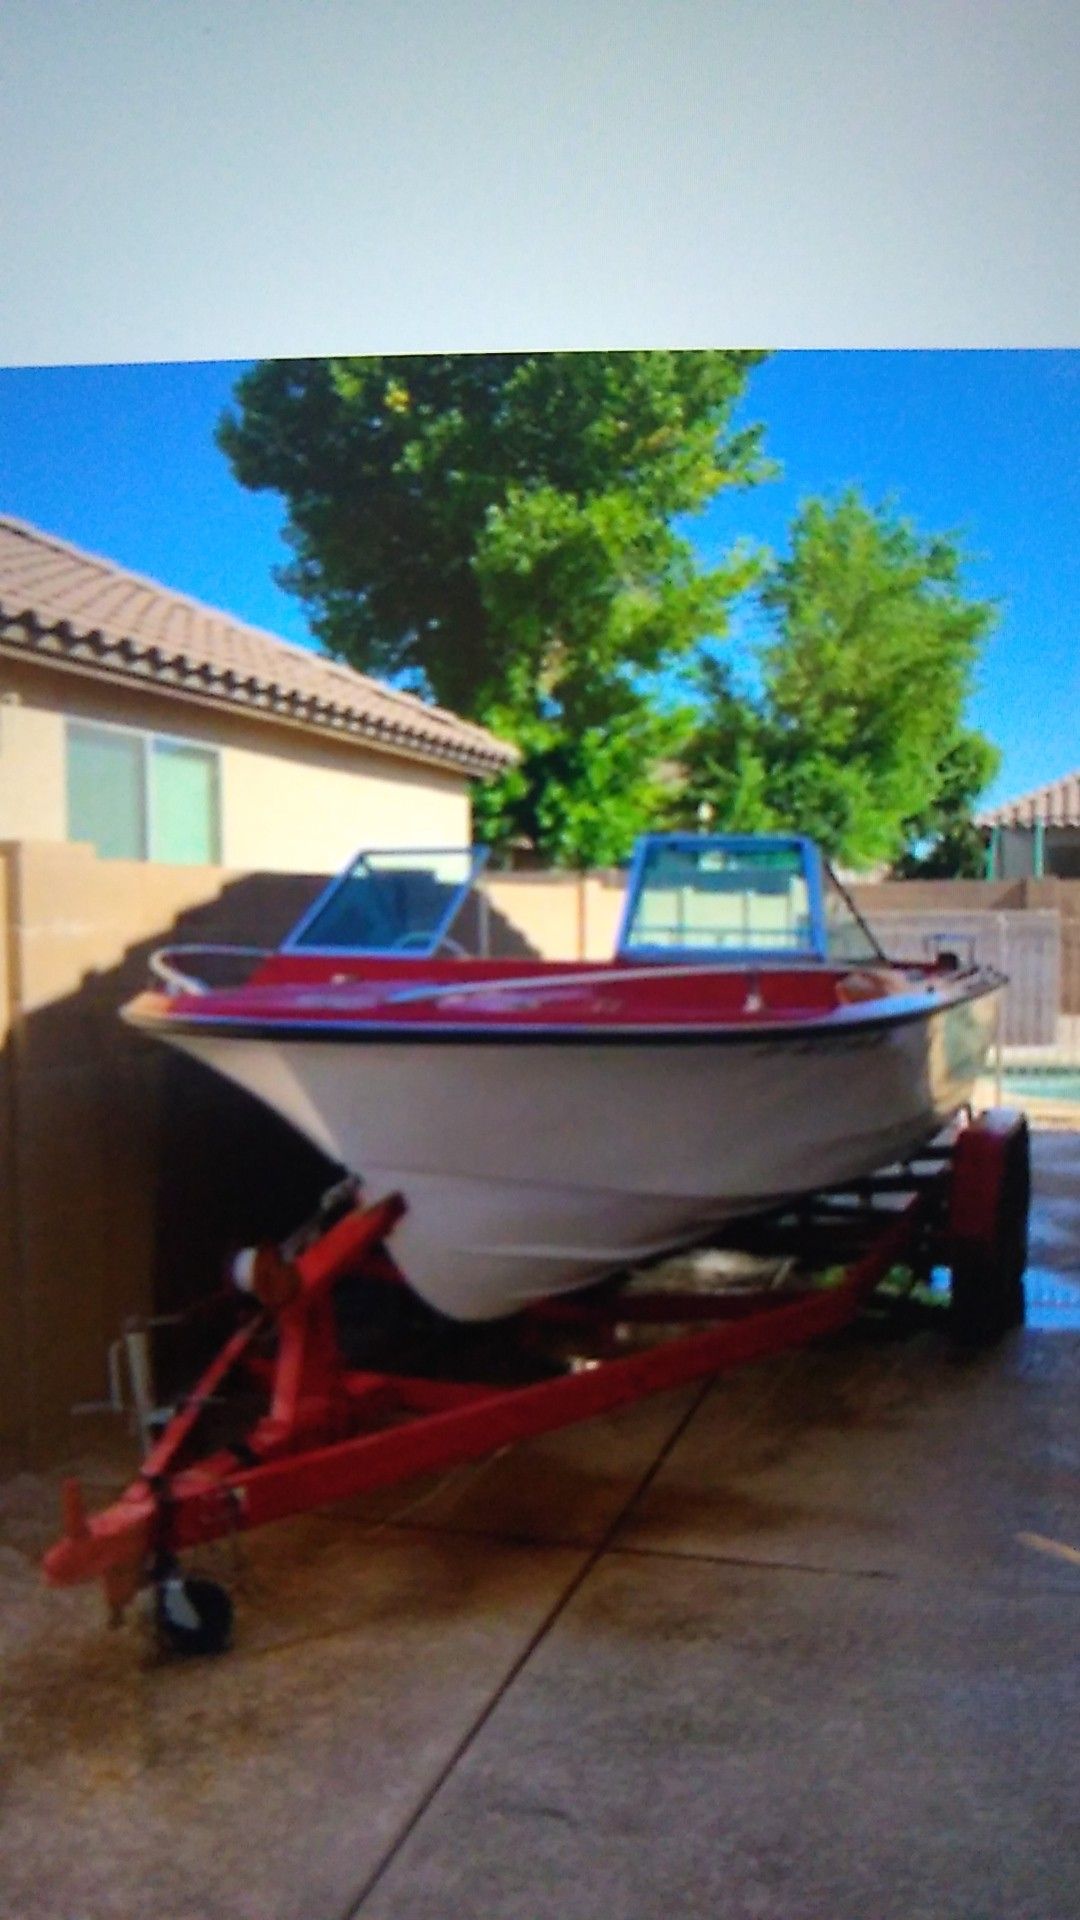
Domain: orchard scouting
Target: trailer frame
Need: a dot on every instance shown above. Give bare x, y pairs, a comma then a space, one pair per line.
328, 1430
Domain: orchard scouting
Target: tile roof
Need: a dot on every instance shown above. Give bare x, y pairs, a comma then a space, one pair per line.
58, 602
1055, 805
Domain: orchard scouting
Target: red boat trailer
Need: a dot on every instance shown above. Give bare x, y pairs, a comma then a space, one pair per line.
327, 1430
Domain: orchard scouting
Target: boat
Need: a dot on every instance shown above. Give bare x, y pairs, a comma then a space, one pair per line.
550, 1123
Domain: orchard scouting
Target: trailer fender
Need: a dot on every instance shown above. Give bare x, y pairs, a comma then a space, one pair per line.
987, 1229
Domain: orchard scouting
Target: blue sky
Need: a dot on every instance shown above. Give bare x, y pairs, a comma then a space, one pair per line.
121, 460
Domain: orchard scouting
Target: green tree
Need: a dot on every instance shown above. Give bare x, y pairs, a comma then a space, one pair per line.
855, 734
496, 531
943, 842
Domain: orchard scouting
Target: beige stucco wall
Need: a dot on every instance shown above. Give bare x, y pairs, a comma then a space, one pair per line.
31, 770
291, 811
291, 801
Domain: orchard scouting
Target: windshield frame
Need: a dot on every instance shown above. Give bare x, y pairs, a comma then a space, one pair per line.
295, 943
814, 869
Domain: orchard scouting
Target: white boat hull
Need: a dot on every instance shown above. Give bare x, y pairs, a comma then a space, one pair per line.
532, 1169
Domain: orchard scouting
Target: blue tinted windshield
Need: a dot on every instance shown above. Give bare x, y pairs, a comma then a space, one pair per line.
391, 902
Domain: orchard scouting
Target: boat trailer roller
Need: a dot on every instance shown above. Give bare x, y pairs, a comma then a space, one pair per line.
326, 1428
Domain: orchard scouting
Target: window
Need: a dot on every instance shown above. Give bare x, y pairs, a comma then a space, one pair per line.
183, 810
106, 791
139, 796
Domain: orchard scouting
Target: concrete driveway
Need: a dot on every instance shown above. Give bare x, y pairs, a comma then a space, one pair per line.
801, 1645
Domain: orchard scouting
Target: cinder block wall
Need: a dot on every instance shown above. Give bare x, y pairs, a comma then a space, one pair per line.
103, 1135
562, 916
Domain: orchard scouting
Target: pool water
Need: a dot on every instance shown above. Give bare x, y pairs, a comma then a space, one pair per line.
1050, 1083
1053, 1301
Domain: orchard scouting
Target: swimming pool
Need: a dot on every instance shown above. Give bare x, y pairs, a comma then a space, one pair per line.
1046, 1083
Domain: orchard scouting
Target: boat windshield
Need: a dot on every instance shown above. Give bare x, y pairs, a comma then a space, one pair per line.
391, 902
733, 896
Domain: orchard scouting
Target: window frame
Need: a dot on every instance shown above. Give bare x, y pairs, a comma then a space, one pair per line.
148, 738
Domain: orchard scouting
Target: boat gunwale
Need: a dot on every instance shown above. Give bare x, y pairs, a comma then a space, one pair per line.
840, 1022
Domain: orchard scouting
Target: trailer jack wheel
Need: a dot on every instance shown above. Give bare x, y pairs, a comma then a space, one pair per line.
192, 1616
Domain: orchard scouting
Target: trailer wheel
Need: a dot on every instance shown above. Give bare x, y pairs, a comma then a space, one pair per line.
193, 1616
989, 1203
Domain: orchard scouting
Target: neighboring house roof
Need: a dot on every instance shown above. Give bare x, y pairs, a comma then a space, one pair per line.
58, 603
1056, 805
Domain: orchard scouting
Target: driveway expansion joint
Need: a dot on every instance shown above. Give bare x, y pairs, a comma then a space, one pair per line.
590, 1561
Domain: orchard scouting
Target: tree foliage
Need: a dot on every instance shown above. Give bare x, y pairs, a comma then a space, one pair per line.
497, 532
504, 534
855, 734
943, 842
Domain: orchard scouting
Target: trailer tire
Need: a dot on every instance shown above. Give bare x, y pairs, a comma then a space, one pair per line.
989, 1234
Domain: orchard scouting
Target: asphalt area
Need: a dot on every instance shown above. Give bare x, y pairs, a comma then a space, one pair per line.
798, 1645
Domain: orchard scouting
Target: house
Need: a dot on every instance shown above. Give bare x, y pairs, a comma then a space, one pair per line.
1036, 836
154, 728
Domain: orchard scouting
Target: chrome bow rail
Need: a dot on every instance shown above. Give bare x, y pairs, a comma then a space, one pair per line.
163, 965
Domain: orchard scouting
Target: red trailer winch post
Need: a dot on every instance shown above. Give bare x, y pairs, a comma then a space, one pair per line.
331, 1431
